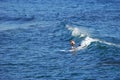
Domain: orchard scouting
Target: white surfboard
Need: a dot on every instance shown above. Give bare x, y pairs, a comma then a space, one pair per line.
74, 49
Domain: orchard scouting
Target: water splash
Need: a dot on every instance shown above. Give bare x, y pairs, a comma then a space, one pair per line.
76, 32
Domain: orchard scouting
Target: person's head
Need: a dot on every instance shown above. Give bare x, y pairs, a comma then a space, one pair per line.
72, 42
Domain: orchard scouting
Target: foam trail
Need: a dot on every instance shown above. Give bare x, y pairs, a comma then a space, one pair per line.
13, 26
87, 40
108, 43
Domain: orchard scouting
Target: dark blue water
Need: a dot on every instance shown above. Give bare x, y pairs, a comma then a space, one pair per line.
33, 33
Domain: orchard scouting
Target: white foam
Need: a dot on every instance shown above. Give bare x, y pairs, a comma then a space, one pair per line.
76, 31
108, 43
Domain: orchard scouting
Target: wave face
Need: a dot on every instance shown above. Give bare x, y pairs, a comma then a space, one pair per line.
35, 35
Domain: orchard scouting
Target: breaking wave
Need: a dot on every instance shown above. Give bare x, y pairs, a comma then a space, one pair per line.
80, 33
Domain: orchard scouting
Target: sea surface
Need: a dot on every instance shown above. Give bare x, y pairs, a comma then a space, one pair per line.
35, 40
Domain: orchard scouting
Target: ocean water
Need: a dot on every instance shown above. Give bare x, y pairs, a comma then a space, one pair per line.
35, 36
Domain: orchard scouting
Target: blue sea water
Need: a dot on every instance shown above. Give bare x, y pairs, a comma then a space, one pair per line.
33, 34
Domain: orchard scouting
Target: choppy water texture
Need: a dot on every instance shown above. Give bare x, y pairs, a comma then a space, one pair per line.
34, 39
